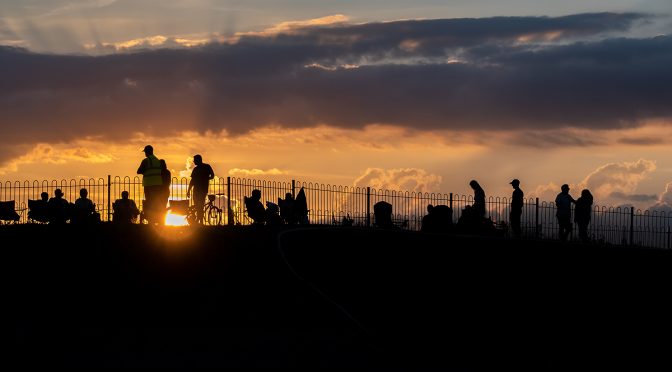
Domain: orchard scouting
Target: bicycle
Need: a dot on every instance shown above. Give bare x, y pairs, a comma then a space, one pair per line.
212, 214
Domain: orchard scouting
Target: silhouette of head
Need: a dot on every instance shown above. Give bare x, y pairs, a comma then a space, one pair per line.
430, 208
198, 160
58, 193
288, 196
83, 193
474, 185
515, 182
124, 194
585, 193
564, 188
149, 150
44, 196
256, 194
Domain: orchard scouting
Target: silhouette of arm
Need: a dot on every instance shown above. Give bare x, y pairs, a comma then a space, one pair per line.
191, 183
191, 186
211, 173
141, 168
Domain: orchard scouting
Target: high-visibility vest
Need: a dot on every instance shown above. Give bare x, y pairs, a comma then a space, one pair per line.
151, 176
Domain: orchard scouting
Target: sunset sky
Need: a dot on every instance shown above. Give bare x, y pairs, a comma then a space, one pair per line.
420, 95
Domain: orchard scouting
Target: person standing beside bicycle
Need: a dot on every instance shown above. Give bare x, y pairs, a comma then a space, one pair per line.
200, 180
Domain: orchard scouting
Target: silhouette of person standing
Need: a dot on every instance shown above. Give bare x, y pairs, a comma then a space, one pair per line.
582, 209
563, 203
478, 208
516, 207
166, 179
200, 180
150, 168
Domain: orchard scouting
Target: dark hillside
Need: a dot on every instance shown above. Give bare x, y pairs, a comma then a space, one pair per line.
323, 297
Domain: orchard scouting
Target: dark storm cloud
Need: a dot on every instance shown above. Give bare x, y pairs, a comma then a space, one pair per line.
555, 138
403, 79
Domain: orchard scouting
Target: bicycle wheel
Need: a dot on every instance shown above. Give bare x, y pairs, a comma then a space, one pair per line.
213, 216
191, 216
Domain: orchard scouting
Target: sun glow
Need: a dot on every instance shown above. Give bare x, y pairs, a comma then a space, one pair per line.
176, 220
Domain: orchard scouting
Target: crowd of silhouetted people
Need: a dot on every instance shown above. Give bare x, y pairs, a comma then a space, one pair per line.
292, 210
473, 219
57, 210
289, 211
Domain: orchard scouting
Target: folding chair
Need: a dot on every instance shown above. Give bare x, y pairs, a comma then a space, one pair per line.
8, 212
37, 211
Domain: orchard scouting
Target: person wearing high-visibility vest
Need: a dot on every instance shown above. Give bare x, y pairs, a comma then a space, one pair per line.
150, 168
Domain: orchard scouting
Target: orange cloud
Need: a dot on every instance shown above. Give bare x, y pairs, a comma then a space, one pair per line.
406, 179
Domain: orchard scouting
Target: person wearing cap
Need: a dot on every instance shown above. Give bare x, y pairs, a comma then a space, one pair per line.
150, 168
563, 202
516, 207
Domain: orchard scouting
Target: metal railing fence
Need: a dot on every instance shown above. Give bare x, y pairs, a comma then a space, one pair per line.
329, 204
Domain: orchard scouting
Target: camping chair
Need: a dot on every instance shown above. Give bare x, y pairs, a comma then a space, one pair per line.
8, 212
37, 211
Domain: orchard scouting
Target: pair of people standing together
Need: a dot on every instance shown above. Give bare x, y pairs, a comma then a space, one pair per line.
582, 209
156, 180
563, 202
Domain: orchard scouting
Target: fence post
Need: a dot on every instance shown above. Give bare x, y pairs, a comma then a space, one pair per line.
368, 206
632, 223
536, 218
451, 201
109, 186
294, 189
229, 212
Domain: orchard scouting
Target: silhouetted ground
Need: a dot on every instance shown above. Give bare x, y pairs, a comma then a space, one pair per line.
329, 297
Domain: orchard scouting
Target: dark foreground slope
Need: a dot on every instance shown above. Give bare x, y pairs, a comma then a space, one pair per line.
319, 297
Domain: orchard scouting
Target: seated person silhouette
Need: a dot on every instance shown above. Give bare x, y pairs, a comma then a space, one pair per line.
255, 210
287, 209
58, 209
273, 214
472, 222
84, 209
439, 219
382, 212
37, 209
125, 210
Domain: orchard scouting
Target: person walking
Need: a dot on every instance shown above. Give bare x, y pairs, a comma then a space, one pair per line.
563, 202
517, 199
584, 205
150, 168
200, 180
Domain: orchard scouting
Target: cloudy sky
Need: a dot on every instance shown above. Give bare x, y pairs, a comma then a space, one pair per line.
413, 95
